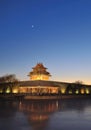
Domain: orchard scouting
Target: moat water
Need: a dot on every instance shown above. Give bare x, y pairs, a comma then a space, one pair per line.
68, 114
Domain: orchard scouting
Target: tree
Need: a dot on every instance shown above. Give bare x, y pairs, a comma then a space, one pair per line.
8, 81
79, 82
8, 78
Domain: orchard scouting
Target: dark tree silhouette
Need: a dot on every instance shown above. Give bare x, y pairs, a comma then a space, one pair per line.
79, 82
8, 81
8, 78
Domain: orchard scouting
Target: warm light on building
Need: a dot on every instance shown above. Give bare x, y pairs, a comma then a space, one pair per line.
77, 92
1, 91
39, 72
8, 90
62, 90
54, 90
70, 92
39, 77
82, 91
40, 85
87, 91
15, 90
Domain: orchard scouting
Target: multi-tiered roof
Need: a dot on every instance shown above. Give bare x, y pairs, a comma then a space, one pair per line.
39, 72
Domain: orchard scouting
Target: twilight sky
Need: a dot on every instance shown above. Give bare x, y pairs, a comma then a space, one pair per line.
56, 33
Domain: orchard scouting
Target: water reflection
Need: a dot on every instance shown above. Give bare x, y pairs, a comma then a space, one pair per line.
39, 112
8, 109
46, 114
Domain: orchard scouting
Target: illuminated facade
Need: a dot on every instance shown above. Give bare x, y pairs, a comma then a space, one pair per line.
39, 72
39, 77
39, 84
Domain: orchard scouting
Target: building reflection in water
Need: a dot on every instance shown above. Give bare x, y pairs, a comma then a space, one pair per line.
45, 114
39, 112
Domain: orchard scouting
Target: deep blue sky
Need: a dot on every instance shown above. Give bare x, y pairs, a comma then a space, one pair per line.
54, 32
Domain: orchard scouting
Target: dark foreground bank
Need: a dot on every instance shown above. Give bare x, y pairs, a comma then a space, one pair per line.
38, 97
